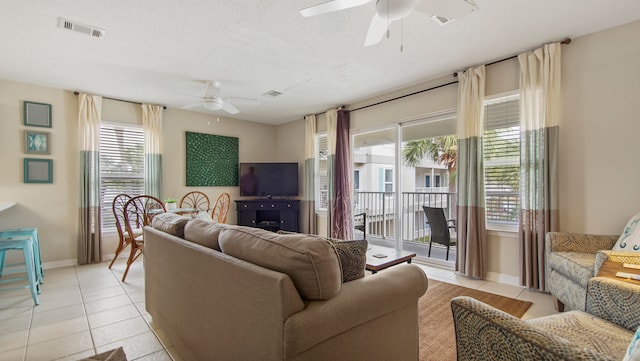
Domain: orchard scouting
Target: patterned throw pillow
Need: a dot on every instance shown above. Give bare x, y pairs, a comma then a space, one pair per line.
353, 258
633, 351
630, 238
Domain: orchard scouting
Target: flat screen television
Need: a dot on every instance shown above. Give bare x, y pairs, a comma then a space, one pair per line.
268, 179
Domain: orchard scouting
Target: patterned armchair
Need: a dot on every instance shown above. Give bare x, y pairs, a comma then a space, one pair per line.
603, 332
572, 259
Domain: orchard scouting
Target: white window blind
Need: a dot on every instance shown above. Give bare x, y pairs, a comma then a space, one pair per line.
322, 175
121, 166
501, 141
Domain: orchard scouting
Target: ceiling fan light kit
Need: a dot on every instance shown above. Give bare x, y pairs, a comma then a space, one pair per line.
212, 100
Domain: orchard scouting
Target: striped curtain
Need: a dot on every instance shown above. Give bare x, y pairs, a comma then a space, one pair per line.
471, 232
90, 227
152, 126
342, 227
308, 203
332, 123
540, 73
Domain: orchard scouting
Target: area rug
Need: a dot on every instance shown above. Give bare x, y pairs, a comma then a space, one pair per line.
437, 334
111, 355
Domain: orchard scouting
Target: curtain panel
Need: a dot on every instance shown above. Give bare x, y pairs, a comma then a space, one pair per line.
152, 126
471, 232
308, 209
332, 123
90, 227
342, 216
540, 109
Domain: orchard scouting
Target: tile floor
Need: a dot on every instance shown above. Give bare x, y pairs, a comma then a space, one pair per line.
86, 310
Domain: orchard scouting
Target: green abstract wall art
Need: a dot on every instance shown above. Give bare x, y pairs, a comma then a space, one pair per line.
212, 160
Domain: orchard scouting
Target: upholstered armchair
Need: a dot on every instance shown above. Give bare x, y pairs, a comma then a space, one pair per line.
603, 332
570, 263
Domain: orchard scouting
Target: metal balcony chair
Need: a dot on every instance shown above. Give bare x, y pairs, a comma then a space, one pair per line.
138, 212
360, 223
440, 227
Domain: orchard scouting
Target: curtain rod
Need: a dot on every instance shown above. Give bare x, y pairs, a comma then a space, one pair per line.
121, 100
564, 42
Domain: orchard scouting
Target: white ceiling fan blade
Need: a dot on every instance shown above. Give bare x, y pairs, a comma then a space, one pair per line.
377, 29
451, 9
229, 108
331, 6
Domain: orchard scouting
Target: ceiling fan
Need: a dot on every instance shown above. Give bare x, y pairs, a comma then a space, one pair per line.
213, 100
388, 11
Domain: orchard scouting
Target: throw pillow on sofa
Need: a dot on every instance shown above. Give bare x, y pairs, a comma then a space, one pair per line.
312, 263
630, 238
353, 258
202, 232
171, 223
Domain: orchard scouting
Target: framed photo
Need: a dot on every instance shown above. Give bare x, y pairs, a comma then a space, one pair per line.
38, 170
37, 114
36, 142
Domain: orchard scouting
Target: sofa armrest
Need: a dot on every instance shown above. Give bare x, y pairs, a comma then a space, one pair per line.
614, 301
486, 333
577, 242
357, 303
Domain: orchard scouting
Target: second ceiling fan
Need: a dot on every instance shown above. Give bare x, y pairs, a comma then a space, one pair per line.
388, 11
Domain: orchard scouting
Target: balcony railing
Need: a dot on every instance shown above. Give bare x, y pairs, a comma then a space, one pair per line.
380, 209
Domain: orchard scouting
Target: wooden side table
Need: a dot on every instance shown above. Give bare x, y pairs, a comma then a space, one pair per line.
610, 268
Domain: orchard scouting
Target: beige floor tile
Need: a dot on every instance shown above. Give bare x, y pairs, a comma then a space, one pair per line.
13, 312
54, 299
13, 355
114, 315
16, 299
10, 341
157, 356
501, 289
60, 347
135, 346
100, 293
57, 315
107, 303
15, 324
57, 330
96, 283
119, 331
77, 356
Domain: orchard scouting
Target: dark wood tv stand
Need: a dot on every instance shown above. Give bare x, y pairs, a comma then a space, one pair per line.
270, 214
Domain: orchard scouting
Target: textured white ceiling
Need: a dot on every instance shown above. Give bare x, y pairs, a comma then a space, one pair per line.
162, 51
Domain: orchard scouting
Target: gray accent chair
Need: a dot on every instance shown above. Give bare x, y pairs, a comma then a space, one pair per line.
603, 332
572, 259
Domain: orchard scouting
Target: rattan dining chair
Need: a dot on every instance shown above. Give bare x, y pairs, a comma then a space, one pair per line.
196, 200
221, 208
138, 212
124, 239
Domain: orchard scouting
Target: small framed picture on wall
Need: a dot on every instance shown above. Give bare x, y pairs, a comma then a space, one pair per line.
38, 170
37, 114
36, 142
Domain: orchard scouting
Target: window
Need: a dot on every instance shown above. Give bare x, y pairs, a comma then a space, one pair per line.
388, 180
356, 179
427, 180
502, 161
121, 166
437, 180
321, 172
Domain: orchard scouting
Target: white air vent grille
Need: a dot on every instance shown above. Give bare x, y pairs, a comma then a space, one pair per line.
441, 20
81, 28
272, 93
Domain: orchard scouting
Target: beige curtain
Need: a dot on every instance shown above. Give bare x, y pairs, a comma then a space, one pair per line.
152, 126
471, 256
90, 227
332, 128
540, 111
308, 217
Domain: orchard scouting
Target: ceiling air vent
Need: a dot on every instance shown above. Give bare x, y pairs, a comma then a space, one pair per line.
272, 93
441, 20
81, 28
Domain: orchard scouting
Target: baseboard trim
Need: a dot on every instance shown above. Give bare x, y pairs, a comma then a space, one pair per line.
504, 278
72, 262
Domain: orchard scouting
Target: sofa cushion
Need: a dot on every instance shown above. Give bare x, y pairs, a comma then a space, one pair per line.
630, 238
577, 266
171, 223
353, 258
312, 263
202, 232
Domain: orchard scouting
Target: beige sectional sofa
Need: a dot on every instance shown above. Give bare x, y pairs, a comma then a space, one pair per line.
224, 292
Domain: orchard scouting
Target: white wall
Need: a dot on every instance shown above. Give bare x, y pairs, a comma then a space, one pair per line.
53, 208
598, 134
